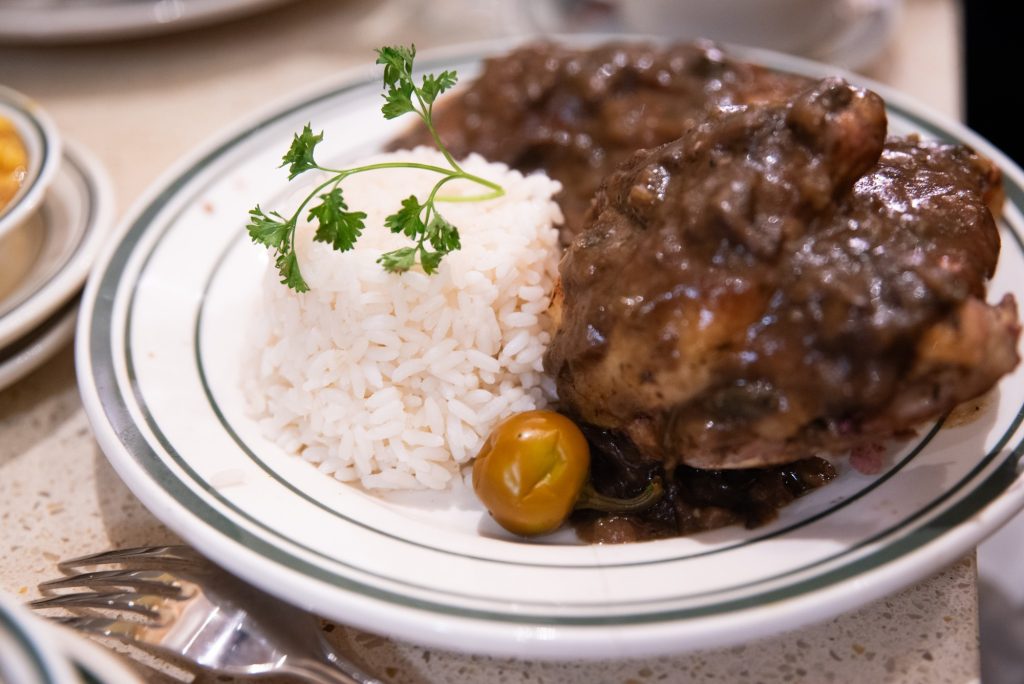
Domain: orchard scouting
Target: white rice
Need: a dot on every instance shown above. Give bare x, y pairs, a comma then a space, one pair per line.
394, 381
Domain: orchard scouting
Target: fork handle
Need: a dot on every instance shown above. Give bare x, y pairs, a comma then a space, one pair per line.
336, 671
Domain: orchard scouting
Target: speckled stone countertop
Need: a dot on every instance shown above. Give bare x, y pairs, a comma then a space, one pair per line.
60, 498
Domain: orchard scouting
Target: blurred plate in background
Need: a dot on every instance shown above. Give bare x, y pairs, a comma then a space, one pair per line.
54, 21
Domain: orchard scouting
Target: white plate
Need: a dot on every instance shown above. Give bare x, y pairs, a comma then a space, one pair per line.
160, 346
28, 353
45, 261
28, 652
78, 20
43, 147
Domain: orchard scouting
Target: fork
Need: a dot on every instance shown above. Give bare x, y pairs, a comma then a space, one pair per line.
191, 609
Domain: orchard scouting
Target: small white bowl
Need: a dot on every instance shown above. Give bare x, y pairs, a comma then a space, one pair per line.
44, 148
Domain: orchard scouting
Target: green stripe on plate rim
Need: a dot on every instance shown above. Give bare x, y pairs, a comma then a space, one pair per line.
28, 646
115, 408
88, 677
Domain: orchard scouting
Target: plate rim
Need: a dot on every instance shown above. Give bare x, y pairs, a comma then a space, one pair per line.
644, 640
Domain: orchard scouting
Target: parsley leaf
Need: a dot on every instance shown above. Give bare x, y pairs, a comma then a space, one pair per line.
272, 230
337, 226
435, 85
430, 260
288, 266
397, 61
438, 232
398, 101
299, 157
443, 236
407, 219
399, 260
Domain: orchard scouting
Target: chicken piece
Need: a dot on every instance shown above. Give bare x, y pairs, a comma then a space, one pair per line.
578, 114
780, 281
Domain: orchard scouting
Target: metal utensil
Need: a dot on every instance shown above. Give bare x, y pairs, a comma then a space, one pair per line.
171, 600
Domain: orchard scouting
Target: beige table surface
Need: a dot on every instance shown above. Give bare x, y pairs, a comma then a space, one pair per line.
139, 105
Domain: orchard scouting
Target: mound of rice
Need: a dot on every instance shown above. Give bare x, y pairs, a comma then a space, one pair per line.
392, 380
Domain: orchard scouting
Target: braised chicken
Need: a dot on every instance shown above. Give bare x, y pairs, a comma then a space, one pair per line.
781, 280
754, 273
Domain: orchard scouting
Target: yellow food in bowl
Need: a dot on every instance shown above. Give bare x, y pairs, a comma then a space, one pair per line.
13, 162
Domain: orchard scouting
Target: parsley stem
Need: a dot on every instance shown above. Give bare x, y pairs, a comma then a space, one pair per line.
458, 174
429, 204
295, 217
426, 113
494, 194
388, 165
432, 235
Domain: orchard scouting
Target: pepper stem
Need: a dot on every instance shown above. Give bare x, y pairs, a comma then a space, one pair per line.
592, 499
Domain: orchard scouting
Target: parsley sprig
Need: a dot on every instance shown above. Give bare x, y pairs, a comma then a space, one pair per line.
432, 235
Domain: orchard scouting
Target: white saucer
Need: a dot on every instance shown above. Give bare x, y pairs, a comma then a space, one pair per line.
44, 262
28, 353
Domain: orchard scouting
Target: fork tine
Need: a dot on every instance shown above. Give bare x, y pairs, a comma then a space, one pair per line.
152, 581
143, 604
126, 630
217, 622
150, 555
